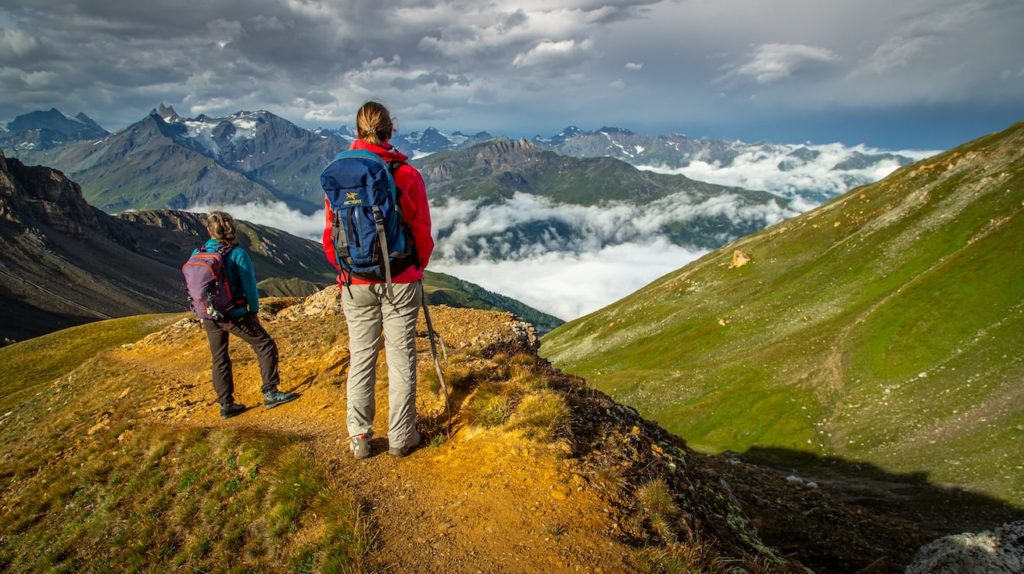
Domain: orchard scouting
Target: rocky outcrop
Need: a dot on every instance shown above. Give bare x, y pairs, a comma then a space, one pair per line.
33, 196
999, 551
192, 224
504, 154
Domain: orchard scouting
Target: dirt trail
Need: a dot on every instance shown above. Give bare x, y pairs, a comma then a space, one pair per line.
483, 501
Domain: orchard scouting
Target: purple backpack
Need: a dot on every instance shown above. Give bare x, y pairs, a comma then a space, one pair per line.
206, 280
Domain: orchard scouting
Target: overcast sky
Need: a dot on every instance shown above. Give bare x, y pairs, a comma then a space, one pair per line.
888, 73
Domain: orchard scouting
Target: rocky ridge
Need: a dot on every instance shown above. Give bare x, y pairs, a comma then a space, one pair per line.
63, 262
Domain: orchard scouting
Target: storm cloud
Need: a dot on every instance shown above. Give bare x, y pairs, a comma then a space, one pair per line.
741, 67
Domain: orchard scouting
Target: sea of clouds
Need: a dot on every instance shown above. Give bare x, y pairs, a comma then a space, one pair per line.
570, 285
473, 229
772, 168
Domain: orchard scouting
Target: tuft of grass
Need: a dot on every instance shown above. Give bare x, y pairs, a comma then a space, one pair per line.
656, 502
556, 530
491, 404
681, 559
609, 479
462, 375
542, 415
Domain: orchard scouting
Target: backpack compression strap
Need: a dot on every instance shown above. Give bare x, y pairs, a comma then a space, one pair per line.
378, 220
340, 237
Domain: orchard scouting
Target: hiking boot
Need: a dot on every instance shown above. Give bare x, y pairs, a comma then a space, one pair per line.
231, 409
360, 445
273, 398
409, 446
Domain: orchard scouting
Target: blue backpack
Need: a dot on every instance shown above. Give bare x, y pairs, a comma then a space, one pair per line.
371, 238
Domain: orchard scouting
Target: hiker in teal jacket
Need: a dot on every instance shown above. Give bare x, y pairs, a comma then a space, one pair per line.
241, 277
240, 321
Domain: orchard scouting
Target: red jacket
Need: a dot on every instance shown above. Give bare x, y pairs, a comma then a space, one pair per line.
415, 210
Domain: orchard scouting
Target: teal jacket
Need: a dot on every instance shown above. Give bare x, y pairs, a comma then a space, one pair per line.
241, 278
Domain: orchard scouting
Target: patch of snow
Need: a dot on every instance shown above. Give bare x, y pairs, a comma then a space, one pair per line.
245, 129
202, 133
455, 140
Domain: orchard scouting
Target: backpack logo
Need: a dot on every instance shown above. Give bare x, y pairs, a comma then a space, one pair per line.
371, 238
206, 281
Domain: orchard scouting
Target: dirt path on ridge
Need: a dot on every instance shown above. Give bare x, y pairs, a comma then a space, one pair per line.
484, 501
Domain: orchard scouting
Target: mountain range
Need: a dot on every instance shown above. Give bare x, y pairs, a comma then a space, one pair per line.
286, 159
165, 161
883, 327
42, 130
64, 262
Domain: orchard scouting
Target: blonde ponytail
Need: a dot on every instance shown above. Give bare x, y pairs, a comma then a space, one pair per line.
373, 123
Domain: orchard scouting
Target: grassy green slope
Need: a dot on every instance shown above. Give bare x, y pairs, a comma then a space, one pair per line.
884, 326
116, 496
42, 359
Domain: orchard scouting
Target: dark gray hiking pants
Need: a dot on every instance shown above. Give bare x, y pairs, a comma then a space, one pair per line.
249, 329
369, 314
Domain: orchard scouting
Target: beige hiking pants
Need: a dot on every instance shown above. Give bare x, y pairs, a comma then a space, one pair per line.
369, 314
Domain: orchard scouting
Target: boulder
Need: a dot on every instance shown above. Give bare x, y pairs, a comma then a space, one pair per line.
999, 551
739, 259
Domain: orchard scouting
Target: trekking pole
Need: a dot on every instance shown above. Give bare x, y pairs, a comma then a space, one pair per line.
431, 334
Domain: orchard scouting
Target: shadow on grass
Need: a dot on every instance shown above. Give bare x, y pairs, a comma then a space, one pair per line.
855, 516
904, 495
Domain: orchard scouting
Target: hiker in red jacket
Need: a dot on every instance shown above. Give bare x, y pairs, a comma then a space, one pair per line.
373, 309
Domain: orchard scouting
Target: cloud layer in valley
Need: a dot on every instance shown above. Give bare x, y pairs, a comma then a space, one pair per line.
570, 285
790, 70
807, 172
477, 230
